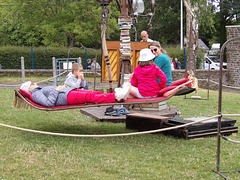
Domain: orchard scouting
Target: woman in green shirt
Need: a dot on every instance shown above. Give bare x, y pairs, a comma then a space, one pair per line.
162, 60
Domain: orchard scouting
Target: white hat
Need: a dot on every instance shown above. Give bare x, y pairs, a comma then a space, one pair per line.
25, 86
146, 55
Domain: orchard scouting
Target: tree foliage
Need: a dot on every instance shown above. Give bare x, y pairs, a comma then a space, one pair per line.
75, 22
227, 14
52, 22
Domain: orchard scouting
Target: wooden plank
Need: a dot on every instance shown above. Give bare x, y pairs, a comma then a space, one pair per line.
97, 113
114, 45
139, 45
171, 111
148, 116
209, 128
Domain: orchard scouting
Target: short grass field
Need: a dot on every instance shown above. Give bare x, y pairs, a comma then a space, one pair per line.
25, 155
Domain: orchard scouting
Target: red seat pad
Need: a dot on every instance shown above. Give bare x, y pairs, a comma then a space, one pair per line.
177, 83
26, 94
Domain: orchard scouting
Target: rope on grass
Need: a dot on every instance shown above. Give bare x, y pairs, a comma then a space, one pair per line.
218, 83
108, 135
233, 115
226, 138
230, 140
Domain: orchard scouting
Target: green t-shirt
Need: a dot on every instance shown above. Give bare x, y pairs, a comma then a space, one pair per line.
163, 62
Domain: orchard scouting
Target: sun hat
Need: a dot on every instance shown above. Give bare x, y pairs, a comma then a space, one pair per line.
146, 55
25, 86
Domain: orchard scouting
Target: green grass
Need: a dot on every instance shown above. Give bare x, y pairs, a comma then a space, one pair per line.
26, 155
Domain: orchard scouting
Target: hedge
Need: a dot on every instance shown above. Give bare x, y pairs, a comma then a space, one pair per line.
10, 56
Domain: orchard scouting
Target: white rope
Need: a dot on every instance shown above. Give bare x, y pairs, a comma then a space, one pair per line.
225, 138
230, 140
233, 115
107, 135
51, 77
218, 83
44, 80
8, 85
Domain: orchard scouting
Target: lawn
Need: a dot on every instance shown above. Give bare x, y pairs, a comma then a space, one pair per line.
26, 155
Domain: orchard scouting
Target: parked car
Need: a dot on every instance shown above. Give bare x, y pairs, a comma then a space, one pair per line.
213, 62
215, 49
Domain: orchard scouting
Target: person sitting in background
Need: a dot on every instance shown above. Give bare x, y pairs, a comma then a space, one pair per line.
89, 62
145, 38
172, 64
144, 79
75, 78
95, 64
51, 96
162, 60
177, 63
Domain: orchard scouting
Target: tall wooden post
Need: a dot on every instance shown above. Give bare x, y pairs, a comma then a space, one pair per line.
192, 37
105, 11
125, 23
23, 69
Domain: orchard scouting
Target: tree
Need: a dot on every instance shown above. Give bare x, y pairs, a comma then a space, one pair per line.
53, 22
229, 11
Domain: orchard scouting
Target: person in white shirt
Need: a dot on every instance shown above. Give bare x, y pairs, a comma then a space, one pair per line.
93, 64
145, 38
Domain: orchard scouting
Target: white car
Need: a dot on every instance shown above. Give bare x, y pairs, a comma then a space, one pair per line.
214, 63
215, 49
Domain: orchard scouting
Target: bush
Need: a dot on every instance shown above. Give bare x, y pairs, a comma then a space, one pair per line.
176, 52
10, 56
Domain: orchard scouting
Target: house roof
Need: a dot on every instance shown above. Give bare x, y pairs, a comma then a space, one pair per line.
202, 45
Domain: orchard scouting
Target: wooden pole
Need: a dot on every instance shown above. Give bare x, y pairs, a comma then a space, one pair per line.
192, 38
54, 71
23, 69
104, 48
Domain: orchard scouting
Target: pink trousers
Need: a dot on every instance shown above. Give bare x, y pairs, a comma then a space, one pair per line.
81, 96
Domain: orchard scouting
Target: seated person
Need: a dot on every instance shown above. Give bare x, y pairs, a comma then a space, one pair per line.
89, 62
51, 96
75, 78
162, 60
95, 63
144, 79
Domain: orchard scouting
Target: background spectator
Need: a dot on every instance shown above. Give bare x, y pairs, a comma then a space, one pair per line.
178, 64
95, 63
145, 38
89, 62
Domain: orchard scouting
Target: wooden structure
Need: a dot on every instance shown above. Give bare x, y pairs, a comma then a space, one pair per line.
114, 58
97, 113
199, 130
143, 122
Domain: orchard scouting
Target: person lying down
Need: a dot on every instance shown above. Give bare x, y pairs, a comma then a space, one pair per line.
51, 96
